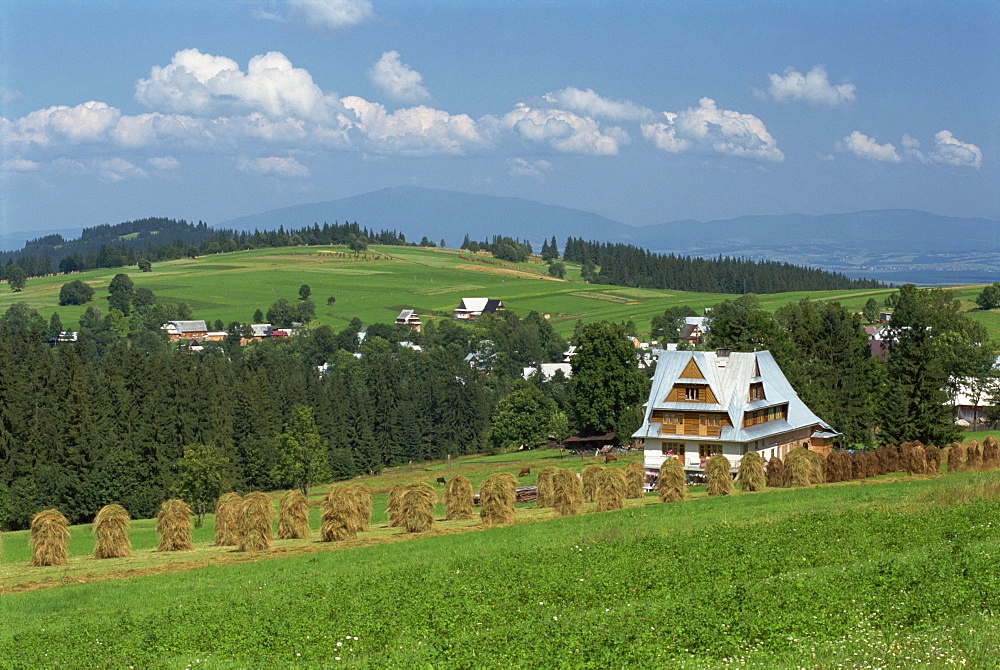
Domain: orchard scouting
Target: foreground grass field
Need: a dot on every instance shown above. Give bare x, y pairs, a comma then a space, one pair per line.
898, 572
377, 285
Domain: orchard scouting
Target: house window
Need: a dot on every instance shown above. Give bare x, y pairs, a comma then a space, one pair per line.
706, 450
756, 391
673, 449
673, 418
692, 393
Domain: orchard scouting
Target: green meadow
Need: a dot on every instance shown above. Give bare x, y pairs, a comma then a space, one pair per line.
376, 285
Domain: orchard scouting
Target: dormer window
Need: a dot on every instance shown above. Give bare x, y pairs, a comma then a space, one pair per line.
756, 391
692, 393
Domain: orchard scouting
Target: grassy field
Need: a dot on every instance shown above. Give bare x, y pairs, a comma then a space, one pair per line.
377, 285
895, 572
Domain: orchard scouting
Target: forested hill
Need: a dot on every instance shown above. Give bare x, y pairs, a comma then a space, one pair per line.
626, 265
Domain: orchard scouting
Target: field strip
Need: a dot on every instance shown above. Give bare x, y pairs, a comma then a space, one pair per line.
605, 297
502, 271
455, 288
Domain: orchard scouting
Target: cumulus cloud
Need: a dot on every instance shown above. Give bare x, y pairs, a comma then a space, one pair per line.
563, 130
276, 166
866, 147
412, 131
330, 16
88, 122
589, 103
814, 87
197, 83
163, 163
519, 167
951, 151
707, 128
397, 80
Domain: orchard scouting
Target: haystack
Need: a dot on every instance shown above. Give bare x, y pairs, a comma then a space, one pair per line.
392, 506
717, 472
545, 486
802, 468
611, 487
496, 499
991, 453
589, 475
458, 498
974, 455
360, 503
671, 483
225, 519
173, 525
751, 475
956, 458
293, 516
417, 507
111, 530
933, 456
635, 475
775, 472
567, 493
859, 465
253, 522
49, 538
335, 522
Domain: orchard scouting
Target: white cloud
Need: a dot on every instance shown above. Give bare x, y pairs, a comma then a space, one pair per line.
88, 122
949, 150
707, 128
116, 169
519, 167
198, 83
564, 131
163, 163
18, 164
589, 103
9, 95
413, 131
813, 87
397, 80
273, 166
323, 16
866, 147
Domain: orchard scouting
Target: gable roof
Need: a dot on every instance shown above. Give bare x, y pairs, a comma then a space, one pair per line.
728, 379
479, 305
186, 326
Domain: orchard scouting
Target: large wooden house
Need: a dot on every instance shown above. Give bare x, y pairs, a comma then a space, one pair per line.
704, 403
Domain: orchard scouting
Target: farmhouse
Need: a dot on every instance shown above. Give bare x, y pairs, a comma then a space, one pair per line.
470, 308
703, 403
408, 317
186, 330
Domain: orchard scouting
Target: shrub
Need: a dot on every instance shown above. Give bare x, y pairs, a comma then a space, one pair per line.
111, 530
293, 516
417, 507
775, 472
611, 487
173, 525
956, 457
671, 482
567, 493
717, 472
496, 499
546, 483
751, 473
49, 538
590, 481
458, 498
225, 519
635, 475
253, 522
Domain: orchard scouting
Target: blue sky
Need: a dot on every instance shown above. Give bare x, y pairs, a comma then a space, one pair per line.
645, 112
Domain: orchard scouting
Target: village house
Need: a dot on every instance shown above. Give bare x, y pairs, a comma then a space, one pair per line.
186, 330
470, 308
704, 403
408, 317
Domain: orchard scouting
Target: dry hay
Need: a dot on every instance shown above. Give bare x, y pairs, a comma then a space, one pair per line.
842, 467
933, 456
49, 538
974, 455
335, 524
225, 519
253, 522
917, 461
802, 468
458, 498
567, 493
888, 457
111, 530
956, 457
671, 483
991, 453
293, 516
611, 487
830, 467
873, 463
173, 525
859, 465
392, 506
718, 473
496, 499
417, 507
360, 503
751, 473
635, 476
589, 475
546, 484
775, 472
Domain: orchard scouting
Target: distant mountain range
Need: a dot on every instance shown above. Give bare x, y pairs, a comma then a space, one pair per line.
893, 245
